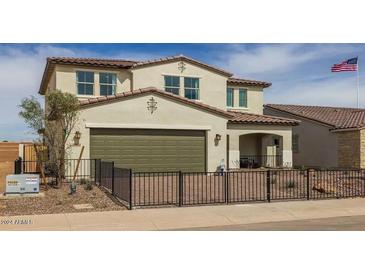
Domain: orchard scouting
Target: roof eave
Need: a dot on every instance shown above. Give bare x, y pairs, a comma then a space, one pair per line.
152, 90
347, 129
263, 85
181, 58
289, 124
45, 78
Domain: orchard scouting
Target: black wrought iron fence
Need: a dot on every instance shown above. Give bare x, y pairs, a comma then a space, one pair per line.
256, 161
74, 169
155, 188
145, 189
203, 188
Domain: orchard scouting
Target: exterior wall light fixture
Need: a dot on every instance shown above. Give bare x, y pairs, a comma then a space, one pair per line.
77, 138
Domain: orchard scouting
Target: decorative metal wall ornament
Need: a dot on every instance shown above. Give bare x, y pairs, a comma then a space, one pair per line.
151, 105
181, 66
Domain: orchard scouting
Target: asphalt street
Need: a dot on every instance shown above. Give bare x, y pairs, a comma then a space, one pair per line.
350, 223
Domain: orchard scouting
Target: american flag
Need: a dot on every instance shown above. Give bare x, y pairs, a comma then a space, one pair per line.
348, 65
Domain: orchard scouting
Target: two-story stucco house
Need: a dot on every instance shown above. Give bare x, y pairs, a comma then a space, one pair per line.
173, 113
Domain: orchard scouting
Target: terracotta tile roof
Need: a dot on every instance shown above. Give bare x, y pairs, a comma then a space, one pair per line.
181, 58
117, 63
92, 62
233, 116
153, 90
245, 82
249, 118
355, 120
334, 117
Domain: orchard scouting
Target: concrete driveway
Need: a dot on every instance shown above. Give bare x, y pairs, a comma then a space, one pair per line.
193, 218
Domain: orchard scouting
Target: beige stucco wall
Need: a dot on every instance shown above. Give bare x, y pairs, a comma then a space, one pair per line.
212, 85
212, 91
317, 144
235, 131
66, 79
255, 99
133, 113
250, 145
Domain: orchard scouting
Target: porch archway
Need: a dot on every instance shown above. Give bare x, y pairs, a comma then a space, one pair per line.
260, 150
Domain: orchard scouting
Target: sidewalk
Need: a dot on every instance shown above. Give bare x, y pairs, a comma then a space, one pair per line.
190, 217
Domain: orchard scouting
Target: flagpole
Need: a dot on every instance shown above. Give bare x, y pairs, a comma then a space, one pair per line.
358, 84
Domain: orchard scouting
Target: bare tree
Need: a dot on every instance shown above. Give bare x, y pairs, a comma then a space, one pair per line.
53, 125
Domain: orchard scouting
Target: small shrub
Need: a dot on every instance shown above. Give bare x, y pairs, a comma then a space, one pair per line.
290, 184
83, 181
88, 186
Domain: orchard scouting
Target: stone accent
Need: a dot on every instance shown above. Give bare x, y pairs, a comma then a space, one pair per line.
349, 149
362, 148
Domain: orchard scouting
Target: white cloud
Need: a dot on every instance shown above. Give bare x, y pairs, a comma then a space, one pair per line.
329, 92
274, 59
300, 73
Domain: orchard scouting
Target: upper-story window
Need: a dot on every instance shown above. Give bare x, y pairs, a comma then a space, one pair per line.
242, 98
108, 83
229, 97
191, 87
172, 84
85, 82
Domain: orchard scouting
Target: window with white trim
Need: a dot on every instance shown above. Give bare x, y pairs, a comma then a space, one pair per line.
172, 84
108, 83
242, 98
230, 97
85, 82
191, 88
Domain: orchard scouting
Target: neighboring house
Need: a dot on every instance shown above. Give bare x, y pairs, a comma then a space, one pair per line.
326, 136
173, 113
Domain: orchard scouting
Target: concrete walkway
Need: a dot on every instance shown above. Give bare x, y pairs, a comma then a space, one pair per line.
189, 217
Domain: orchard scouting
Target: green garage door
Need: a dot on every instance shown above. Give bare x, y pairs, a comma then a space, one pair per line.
150, 149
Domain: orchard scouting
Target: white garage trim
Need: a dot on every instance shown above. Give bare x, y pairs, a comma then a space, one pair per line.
147, 126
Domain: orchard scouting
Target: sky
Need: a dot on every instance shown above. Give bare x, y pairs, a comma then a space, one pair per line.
299, 73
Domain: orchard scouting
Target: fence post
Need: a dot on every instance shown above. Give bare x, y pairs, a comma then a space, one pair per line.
17, 166
226, 185
308, 190
99, 171
130, 189
181, 189
113, 178
268, 185
95, 173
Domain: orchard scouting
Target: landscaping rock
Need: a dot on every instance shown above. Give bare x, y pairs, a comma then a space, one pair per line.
59, 201
83, 206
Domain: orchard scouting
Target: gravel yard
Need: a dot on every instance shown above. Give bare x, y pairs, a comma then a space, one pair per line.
59, 201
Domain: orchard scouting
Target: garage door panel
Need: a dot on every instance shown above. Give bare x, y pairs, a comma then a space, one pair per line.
150, 150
